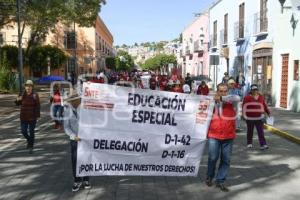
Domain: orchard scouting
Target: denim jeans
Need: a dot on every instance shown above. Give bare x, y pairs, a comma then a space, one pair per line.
24, 129
74, 162
216, 149
58, 113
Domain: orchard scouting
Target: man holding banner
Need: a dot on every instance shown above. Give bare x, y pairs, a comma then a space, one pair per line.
71, 122
221, 134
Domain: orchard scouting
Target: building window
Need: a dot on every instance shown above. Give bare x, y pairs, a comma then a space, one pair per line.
71, 65
263, 16
215, 33
296, 70
70, 40
2, 38
225, 29
241, 20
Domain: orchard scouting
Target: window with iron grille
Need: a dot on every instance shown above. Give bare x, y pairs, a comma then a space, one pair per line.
225, 28
71, 65
263, 16
296, 70
70, 40
215, 33
241, 20
2, 38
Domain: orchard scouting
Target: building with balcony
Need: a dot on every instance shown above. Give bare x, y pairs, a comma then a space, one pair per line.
86, 47
193, 53
258, 38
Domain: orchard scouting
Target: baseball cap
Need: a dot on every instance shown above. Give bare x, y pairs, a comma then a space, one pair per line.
254, 87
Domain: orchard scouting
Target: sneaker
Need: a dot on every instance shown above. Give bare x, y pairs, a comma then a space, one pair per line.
209, 182
249, 146
30, 150
76, 186
222, 187
264, 147
86, 185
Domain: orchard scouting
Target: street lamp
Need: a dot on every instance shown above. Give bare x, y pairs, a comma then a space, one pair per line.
20, 53
282, 4
293, 23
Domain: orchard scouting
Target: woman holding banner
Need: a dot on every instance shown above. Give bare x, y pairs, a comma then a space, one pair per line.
71, 128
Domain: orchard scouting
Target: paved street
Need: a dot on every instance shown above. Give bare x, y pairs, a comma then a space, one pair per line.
46, 174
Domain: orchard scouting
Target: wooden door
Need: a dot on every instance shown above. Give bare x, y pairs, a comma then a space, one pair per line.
284, 81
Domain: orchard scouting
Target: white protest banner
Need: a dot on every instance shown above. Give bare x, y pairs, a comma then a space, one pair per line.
128, 131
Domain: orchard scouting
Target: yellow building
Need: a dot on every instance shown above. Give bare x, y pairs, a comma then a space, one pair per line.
87, 49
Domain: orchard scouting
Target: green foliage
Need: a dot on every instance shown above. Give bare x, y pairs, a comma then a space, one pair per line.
10, 53
111, 63
7, 7
124, 61
38, 58
159, 61
40, 16
7, 78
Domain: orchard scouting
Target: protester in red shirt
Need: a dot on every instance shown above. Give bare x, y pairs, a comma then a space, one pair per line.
203, 89
177, 88
220, 136
163, 83
254, 107
152, 82
57, 103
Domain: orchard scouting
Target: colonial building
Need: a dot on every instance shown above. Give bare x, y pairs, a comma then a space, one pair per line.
257, 38
86, 47
193, 56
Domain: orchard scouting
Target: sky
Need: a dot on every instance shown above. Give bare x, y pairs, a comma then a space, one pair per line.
132, 21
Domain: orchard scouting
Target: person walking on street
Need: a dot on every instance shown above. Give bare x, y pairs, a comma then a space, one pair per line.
241, 81
189, 80
186, 89
234, 90
254, 107
152, 82
225, 78
203, 89
30, 112
221, 134
57, 104
71, 124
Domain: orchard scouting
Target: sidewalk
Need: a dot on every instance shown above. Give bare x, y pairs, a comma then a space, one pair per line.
286, 124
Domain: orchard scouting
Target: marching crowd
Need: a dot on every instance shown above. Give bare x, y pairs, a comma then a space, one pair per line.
230, 100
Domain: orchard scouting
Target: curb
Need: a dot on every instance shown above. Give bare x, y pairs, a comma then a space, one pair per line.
283, 134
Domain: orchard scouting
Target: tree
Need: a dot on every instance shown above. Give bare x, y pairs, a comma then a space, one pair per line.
38, 58
111, 63
10, 53
7, 77
159, 61
42, 15
124, 61
180, 38
7, 7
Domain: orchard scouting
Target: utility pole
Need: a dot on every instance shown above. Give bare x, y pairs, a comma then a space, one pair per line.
20, 52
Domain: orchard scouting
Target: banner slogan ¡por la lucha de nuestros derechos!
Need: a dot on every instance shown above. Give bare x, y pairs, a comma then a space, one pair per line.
135, 132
